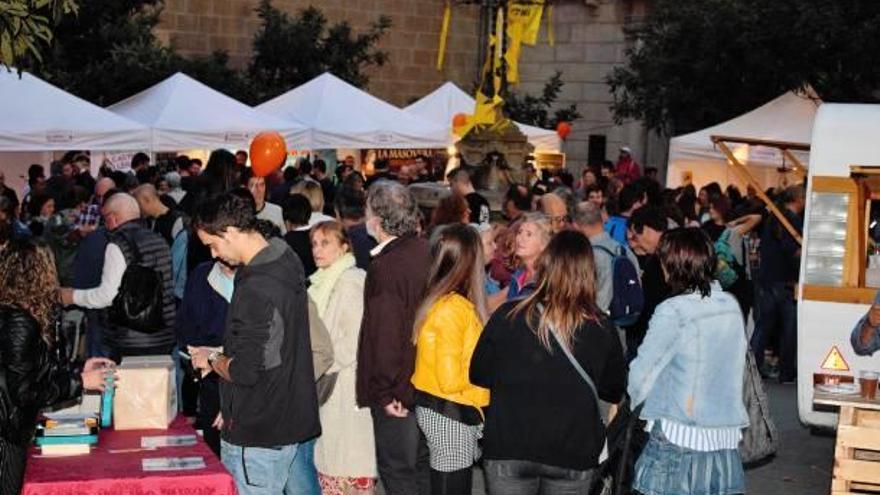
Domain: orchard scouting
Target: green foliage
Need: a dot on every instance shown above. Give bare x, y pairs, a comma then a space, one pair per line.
290, 50
695, 63
535, 110
26, 28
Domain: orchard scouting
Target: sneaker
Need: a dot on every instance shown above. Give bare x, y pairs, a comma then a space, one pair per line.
787, 379
769, 371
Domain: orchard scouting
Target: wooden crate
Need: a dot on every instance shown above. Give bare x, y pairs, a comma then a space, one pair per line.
857, 452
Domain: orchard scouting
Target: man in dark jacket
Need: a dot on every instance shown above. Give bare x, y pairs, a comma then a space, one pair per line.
393, 290
268, 402
126, 237
778, 276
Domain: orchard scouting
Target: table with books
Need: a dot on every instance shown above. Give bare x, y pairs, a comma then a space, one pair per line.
127, 462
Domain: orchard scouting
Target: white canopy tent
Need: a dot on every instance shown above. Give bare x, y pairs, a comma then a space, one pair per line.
786, 119
37, 118
186, 114
443, 103
339, 115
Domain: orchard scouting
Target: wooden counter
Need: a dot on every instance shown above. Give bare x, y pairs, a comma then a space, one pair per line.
850, 295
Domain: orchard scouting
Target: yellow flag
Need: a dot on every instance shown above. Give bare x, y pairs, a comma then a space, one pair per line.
524, 20
523, 25
444, 34
488, 98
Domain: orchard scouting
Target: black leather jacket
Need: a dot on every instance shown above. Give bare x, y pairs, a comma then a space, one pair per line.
32, 376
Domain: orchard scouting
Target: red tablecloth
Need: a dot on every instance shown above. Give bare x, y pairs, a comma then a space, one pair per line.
105, 473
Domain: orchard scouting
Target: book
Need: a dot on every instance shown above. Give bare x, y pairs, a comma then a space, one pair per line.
66, 431
173, 463
74, 439
68, 449
168, 441
68, 420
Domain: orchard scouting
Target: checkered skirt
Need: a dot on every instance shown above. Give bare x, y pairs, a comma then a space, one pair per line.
452, 445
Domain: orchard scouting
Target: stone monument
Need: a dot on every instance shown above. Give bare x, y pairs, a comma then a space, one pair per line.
498, 155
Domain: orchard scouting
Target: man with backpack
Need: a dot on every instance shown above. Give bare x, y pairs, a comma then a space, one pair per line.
631, 198
618, 290
136, 285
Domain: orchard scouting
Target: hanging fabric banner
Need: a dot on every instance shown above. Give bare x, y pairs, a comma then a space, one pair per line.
444, 35
523, 25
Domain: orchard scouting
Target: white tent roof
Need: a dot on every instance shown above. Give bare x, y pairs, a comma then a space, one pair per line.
340, 115
844, 135
443, 103
184, 113
788, 118
36, 116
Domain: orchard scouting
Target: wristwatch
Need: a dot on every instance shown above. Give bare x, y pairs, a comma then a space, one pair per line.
214, 356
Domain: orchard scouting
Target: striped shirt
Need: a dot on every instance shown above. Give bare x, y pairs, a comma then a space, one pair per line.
697, 437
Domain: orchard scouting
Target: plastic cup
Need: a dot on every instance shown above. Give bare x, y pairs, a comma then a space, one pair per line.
868, 384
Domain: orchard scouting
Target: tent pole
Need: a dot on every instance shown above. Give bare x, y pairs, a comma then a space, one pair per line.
788, 154
739, 167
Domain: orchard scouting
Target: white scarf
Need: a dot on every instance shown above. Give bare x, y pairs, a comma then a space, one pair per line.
325, 279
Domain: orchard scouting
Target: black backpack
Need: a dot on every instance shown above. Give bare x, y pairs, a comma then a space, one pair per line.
138, 304
628, 300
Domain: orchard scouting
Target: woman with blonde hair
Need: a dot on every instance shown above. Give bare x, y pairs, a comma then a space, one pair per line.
312, 190
33, 373
531, 238
547, 360
345, 452
447, 326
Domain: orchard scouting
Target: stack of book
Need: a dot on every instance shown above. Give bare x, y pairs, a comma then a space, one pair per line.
67, 434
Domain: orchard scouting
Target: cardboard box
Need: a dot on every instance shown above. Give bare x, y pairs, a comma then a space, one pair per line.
145, 395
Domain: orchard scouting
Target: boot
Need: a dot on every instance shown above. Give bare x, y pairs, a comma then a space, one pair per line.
455, 483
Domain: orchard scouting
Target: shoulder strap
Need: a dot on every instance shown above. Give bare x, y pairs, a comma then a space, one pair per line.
577, 366
605, 250
132, 246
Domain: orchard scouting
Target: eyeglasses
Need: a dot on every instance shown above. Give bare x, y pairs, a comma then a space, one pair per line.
559, 219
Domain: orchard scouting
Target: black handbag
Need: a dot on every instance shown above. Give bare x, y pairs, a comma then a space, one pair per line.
325, 385
626, 438
138, 304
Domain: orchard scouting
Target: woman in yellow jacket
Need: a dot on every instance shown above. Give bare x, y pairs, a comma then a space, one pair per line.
446, 331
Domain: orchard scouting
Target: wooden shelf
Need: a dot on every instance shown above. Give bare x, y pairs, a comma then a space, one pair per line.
851, 295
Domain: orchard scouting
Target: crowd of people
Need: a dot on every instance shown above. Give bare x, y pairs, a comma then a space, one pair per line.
336, 334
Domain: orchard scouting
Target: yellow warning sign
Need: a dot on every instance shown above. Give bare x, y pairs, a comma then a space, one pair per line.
834, 361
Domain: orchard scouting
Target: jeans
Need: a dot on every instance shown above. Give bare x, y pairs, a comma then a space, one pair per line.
264, 471
533, 478
401, 454
778, 314
304, 480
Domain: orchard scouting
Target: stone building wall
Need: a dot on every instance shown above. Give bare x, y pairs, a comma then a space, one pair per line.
199, 27
590, 42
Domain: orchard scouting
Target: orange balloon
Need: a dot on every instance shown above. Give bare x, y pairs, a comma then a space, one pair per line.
459, 120
268, 153
563, 129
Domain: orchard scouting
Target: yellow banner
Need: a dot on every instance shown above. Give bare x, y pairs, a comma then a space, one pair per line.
524, 21
444, 34
523, 25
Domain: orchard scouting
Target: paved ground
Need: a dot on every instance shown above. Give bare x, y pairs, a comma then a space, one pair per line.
803, 464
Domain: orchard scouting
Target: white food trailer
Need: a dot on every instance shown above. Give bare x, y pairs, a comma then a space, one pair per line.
843, 180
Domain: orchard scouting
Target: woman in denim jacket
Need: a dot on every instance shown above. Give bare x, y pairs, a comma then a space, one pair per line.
689, 375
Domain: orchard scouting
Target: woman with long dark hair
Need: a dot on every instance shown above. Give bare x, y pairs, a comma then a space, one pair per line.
33, 373
543, 430
689, 375
447, 327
